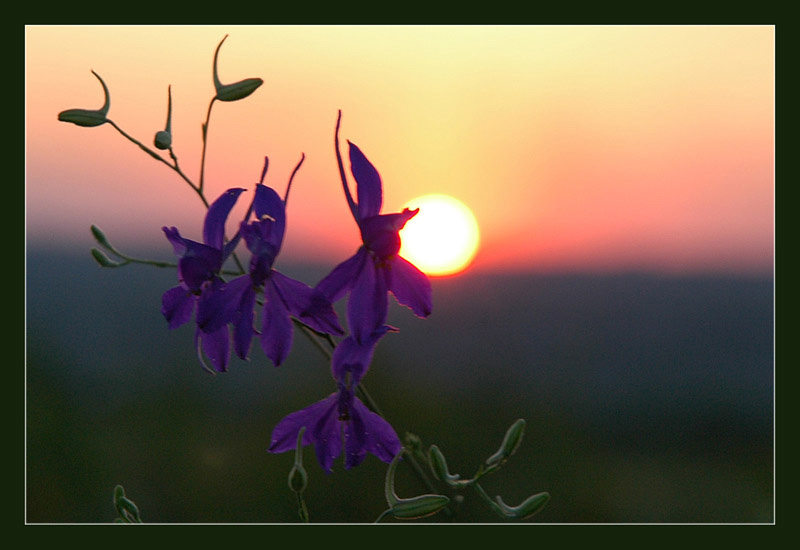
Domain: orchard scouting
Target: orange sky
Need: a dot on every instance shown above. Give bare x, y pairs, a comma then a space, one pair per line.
577, 148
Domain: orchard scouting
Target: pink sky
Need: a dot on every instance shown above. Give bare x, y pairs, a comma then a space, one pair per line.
577, 148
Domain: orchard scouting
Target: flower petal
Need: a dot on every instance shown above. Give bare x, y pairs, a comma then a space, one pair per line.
219, 304
355, 437
276, 330
381, 233
307, 304
367, 306
214, 224
327, 437
177, 305
284, 435
381, 439
341, 279
353, 357
243, 323
369, 188
216, 345
174, 237
269, 207
410, 286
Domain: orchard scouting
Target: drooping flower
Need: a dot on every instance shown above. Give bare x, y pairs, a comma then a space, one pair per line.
376, 268
198, 274
284, 297
339, 416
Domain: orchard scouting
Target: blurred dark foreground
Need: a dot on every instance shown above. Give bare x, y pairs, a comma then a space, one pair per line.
647, 399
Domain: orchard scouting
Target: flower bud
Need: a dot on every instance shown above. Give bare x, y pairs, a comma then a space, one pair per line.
237, 90
99, 236
410, 508
85, 117
439, 466
298, 479
163, 139
126, 509
102, 259
419, 507
511, 442
529, 506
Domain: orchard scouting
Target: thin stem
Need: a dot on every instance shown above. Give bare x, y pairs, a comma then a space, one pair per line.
347, 194
313, 337
291, 178
383, 515
158, 157
205, 143
302, 509
492, 504
186, 178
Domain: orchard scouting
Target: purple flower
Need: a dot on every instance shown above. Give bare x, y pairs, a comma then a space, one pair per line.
375, 269
339, 416
198, 268
235, 301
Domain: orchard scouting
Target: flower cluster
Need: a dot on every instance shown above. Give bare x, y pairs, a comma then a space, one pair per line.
226, 310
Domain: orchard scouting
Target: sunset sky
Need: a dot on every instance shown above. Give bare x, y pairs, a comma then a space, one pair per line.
606, 148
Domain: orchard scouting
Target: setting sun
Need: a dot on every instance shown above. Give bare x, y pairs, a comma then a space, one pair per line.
443, 238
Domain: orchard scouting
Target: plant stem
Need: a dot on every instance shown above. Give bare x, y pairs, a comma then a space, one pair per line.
158, 157
205, 144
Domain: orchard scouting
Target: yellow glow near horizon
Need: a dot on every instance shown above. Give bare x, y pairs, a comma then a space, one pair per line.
442, 239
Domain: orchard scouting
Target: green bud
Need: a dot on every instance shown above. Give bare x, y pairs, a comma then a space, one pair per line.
163, 139
529, 506
85, 117
237, 90
298, 478
410, 508
82, 117
102, 259
126, 509
99, 236
419, 507
439, 466
129, 510
511, 442
119, 493
413, 442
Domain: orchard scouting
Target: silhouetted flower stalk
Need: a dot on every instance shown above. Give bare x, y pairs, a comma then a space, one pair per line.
224, 304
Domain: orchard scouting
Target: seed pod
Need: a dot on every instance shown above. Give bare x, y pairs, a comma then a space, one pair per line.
237, 90
85, 117
511, 442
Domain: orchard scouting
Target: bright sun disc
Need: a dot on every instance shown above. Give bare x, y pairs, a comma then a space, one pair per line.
443, 238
